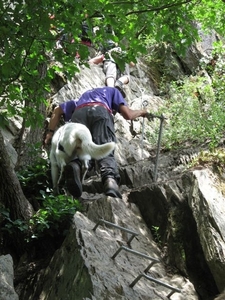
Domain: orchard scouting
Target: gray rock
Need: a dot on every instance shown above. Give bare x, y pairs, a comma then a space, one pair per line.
7, 291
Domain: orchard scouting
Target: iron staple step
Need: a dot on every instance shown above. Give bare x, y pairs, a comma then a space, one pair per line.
153, 260
135, 252
133, 233
174, 290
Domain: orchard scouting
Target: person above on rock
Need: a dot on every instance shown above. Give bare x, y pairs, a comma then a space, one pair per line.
114, 77
94, 109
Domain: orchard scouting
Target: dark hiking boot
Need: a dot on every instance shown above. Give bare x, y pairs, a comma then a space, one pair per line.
111, 188
73, 179
119, 86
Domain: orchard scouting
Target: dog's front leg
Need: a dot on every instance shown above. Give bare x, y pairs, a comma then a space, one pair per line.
55, 176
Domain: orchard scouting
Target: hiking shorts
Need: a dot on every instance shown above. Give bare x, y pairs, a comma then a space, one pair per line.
110, 69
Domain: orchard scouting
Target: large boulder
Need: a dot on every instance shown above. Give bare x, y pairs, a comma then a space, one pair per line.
7, 291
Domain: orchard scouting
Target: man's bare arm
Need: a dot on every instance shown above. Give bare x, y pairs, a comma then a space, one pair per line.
131, 114
54, 121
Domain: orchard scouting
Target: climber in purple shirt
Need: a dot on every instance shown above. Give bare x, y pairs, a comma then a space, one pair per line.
94, 109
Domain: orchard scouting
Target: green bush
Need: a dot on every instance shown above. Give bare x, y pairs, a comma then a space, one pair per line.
52, 212
50, 220
195, 110
55, 212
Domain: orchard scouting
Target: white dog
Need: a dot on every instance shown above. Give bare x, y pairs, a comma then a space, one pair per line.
70, 141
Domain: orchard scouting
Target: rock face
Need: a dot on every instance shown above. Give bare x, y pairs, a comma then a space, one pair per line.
177, 215
85, 268
207, 205
7, 291
89, 264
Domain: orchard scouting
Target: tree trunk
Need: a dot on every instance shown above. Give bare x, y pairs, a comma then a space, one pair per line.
11, 194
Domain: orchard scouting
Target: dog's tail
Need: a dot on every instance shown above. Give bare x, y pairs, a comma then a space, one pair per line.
98, 151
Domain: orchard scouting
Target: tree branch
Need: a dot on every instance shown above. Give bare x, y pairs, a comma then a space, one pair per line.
150, 7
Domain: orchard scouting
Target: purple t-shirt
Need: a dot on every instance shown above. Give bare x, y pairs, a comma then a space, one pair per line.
109, 96
68, 109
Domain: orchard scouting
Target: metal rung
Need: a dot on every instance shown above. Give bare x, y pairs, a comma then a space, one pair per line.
133, 233
154, 260
174, 290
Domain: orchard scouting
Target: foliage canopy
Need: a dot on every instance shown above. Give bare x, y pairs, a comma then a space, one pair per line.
27, 45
